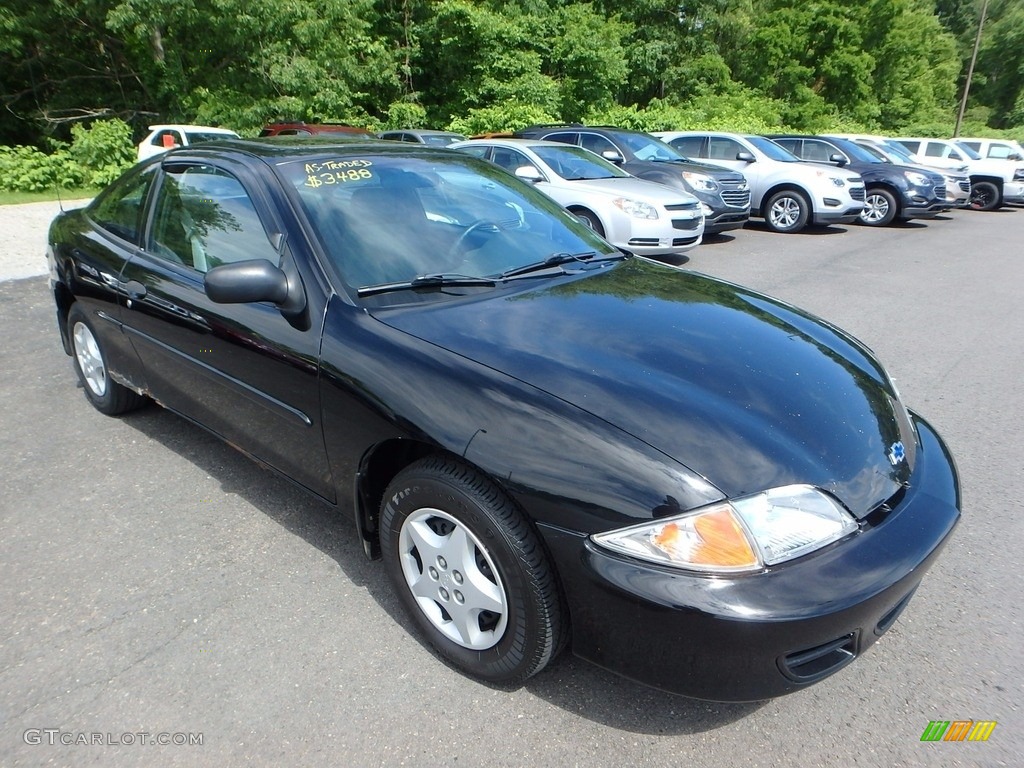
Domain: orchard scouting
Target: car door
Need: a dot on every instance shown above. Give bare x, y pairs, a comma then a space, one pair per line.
244, 370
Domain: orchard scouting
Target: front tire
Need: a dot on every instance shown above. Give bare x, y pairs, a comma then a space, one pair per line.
590, 219
90, 360
985, 196
470, 571
787, 211
879, 208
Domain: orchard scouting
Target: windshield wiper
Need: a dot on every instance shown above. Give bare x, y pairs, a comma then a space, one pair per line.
436, 280
557, 259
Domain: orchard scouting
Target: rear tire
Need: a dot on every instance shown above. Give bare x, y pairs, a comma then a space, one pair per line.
470, 571
90, 360
787, 211
985, 196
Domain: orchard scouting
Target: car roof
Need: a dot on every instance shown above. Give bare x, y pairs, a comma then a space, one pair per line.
277, 148
188, 127
517, 142
422, 131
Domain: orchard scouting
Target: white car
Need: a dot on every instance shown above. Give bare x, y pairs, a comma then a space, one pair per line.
993, 182
164, 137
642, 217
958, 182
787, 192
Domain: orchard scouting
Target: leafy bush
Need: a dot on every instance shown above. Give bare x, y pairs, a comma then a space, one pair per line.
26, 169
508, 116
104, 150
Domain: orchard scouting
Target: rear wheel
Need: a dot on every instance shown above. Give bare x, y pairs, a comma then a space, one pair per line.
879, 208
105, 394
470, 571
985, 196
787, 211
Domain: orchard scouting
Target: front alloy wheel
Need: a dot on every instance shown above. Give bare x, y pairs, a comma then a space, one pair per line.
879, 208
787, 211
470, 571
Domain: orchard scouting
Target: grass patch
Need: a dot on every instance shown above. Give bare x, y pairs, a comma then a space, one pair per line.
15, 198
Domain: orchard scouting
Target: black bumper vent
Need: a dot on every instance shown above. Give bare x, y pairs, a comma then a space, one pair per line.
818, 662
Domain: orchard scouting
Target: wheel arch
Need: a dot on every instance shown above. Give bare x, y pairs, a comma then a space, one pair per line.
575, 208
997, 180
64, 299
378, 467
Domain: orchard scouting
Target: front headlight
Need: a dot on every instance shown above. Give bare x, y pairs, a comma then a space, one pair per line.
700, 181
744, 534
837, 181
636, 209
1018, 175
917, 179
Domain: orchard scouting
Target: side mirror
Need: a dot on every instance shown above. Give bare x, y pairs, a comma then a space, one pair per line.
529, 173
613, 157
1014, 156
838, 159
244, 282
746, 157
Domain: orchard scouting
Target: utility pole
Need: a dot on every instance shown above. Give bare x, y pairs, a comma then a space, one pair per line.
970, 70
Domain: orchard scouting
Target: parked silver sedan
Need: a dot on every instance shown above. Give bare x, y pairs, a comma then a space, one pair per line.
645, 218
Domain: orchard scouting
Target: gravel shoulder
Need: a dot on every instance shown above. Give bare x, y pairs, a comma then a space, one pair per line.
23, 237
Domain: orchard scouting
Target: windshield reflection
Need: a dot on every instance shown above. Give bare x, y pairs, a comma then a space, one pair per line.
386, 219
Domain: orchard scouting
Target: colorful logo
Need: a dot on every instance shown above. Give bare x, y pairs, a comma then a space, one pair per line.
958, 730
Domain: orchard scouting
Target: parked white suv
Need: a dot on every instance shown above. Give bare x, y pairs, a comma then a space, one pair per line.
788, 193
993, 182
164, 137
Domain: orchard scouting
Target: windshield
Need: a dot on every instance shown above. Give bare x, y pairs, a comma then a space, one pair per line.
875, 152
195, 137
857, 152
896, 150
392, 218
577, 164
773, 150
441, 139
967, 150
646, 147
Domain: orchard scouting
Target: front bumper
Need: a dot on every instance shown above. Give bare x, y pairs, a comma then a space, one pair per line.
1013, 192
846, 216
751, 637
675, 232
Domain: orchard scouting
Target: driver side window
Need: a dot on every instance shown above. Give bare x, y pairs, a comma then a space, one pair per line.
205, 218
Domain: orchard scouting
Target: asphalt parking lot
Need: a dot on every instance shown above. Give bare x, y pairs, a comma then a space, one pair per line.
154, 581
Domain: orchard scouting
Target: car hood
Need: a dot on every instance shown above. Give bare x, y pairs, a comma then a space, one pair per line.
690, 165
638, 189
744, 390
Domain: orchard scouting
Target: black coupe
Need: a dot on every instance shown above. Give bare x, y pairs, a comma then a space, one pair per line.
547, 440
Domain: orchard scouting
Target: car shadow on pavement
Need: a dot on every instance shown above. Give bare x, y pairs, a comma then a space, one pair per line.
810, 229
568, 683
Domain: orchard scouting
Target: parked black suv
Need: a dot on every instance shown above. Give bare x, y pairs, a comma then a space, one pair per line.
723, 192
890, 191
